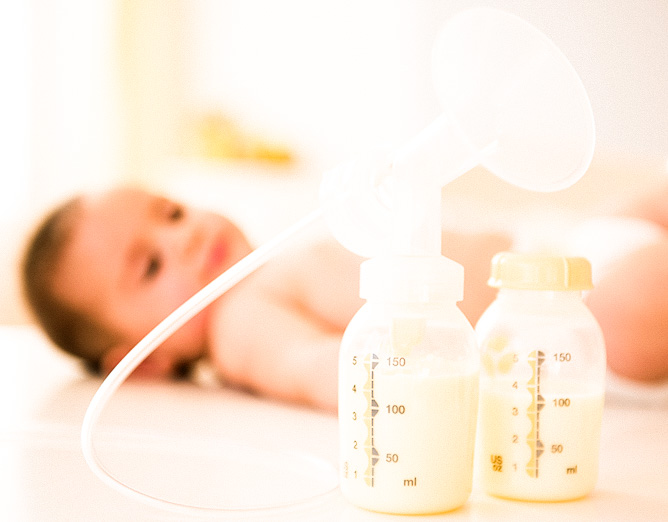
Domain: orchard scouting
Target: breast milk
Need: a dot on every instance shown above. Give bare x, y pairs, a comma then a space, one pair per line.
417, 457
565, 463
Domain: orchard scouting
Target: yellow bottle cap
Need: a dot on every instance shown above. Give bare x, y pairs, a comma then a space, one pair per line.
540, 272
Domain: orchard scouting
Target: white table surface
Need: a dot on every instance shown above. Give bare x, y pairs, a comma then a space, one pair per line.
215, 447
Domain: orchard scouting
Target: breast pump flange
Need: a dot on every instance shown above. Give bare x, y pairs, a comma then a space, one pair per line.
512, 103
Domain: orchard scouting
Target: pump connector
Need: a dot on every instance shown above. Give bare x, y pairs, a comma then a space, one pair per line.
411, 279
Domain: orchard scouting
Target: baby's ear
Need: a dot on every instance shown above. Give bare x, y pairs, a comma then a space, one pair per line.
155, 366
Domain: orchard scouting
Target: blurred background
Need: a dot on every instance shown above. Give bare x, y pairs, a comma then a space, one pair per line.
241, 105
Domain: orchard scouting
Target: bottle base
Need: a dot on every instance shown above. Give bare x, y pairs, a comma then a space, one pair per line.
538, 497
407, 510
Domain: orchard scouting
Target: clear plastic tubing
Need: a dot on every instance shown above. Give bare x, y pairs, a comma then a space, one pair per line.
155, 338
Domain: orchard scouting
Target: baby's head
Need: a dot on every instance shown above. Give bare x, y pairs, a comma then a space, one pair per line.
104, 269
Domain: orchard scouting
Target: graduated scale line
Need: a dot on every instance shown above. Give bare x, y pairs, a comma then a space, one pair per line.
536, 360
369, 418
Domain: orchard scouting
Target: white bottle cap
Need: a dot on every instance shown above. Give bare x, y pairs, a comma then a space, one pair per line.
412, 279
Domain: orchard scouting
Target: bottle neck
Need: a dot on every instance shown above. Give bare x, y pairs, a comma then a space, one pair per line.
411, 279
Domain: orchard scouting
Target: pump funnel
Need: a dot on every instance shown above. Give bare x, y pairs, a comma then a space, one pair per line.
511, 102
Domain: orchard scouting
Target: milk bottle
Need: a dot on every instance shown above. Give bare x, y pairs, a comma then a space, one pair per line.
408, 389
541, 382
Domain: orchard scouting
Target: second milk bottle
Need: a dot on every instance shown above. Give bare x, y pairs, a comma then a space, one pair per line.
541, 380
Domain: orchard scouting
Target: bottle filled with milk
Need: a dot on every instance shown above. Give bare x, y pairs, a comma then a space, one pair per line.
408, 389
541, 381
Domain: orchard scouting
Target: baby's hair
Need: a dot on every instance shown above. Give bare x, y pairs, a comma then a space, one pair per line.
75, 331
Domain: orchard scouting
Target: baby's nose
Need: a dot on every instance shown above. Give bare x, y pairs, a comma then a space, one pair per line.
189, 242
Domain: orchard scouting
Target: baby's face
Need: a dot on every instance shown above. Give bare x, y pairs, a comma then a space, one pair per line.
135, 257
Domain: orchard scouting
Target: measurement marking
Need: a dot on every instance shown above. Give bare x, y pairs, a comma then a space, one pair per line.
536, 359
410, 483
370, 363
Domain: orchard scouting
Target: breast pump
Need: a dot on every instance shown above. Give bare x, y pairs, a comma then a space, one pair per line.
408, 367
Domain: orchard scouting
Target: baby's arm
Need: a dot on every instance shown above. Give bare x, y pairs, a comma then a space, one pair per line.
265, 345
279, 332
631, 300
631, 304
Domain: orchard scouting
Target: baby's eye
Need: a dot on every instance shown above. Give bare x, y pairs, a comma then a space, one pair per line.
153, 266
176, 212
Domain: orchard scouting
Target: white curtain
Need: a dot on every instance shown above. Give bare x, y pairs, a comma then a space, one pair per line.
59, 127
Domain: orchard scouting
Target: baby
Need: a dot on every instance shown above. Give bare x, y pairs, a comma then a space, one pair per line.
630, 298
104, 269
